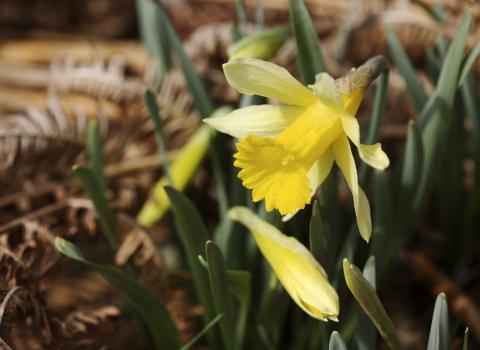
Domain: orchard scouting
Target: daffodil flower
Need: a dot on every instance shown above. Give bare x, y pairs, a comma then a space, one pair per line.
286, 151
295, 267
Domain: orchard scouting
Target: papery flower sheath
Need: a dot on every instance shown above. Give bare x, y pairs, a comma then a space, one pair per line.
295, 267
286, 151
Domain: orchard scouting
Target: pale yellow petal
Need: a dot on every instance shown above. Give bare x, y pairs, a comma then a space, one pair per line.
352, 100
298, 271
326, 90
263, 120
251, 76
372, 155
320, 170
346, 163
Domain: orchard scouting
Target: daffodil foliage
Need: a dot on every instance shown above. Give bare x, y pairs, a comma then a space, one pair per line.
286, 151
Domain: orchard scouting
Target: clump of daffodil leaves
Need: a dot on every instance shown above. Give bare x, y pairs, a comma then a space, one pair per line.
286, 151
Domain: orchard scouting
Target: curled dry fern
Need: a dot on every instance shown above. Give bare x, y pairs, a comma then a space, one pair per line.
35, 138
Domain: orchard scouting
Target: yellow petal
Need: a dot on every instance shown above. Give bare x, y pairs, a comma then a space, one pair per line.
373, 155
346, 163
251, 76
273, 174
263, 120
352, 100
298, 271
326, 90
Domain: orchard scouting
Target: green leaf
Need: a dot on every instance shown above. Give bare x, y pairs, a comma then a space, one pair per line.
376, 121
193, 235
92, 186
366, 296
94, 147
200, 334
411, 170
153, 33
439, 333
366, 337
403, 63
195, 85
146, 303
318, 237
221, 296
436, 129
154, 113
310, 57
240, 283
382, 244
467, 66
465, 340
241, 13
336, 342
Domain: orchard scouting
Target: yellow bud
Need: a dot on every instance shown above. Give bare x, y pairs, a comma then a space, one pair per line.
263, 45
181, 170
295, 267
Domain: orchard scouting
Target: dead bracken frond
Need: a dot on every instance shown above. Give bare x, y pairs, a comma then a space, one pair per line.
97, 80
38, 138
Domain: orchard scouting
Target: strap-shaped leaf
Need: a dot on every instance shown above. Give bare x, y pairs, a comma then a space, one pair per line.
146, 303
310, 57
336, 342
437, 124
366, 296
221, 296
154, 113
193, 236
95, 192
467, 66
403, 63
439, 333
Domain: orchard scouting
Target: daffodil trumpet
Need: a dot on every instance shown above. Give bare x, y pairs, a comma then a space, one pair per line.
302, 276
286, 151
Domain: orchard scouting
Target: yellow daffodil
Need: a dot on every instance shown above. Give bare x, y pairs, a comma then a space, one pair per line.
295, 267
286, 151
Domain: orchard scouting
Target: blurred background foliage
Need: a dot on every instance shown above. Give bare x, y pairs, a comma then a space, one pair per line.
73, 77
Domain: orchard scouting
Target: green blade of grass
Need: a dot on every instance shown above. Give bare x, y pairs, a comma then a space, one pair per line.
439, 333
92, 186
310, 57
146, 303
399, 56
366, 296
